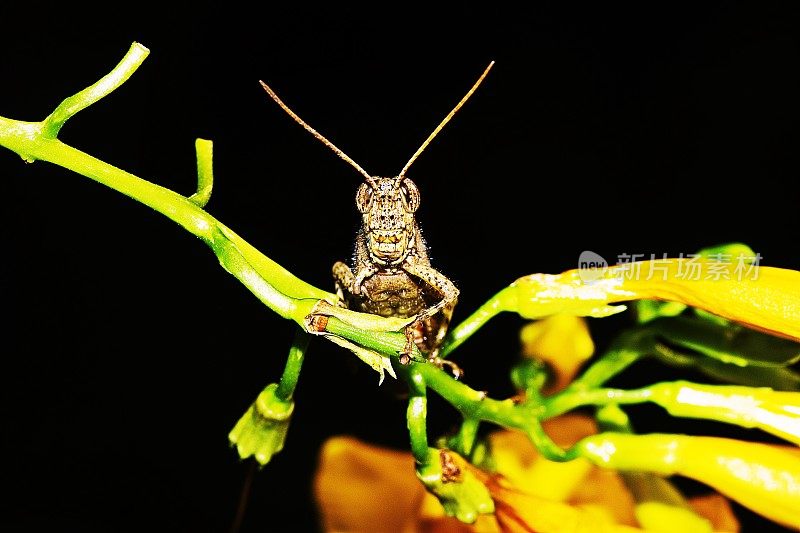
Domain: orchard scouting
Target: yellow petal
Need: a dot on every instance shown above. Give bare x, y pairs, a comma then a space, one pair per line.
768, 300
520, 512
592, 491
562, 341
519, 462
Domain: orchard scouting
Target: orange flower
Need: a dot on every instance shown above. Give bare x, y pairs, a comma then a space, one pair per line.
365, 488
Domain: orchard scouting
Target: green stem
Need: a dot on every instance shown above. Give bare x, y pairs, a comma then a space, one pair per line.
36, 141
628, 348
729, 355
507, 413
572, 399
77, 102
416, 416
387, 343
472, 404
294, 363
180, 210
545, 445
205, 173
466, 436
464, 330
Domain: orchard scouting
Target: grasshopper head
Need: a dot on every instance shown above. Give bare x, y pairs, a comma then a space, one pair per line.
387, 206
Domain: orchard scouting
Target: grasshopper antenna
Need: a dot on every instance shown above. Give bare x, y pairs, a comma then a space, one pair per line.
318, 135
445, 121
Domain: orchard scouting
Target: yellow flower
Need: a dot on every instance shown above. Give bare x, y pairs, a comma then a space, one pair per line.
364, 488
561, 341
767, 299
769, 302
763, 477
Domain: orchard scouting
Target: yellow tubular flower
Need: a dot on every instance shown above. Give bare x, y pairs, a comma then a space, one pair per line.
768, 300
763, 477
775, 412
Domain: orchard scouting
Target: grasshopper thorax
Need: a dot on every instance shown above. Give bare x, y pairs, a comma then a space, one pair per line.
387, 207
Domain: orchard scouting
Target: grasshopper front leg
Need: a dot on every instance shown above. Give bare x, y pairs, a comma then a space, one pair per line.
349, 283
437, 281
351, 294
449, 298
345, 281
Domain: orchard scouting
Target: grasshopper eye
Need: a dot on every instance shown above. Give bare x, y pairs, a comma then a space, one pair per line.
410, 195
364, 197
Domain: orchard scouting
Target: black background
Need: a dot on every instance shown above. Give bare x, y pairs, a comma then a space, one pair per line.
129, 353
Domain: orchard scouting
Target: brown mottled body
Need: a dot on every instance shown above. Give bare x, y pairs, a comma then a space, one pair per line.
392, 275
395, 293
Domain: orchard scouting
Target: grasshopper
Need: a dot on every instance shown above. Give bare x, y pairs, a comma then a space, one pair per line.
392, 275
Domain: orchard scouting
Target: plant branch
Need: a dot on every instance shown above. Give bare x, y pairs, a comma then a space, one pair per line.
205, 172
103, 87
